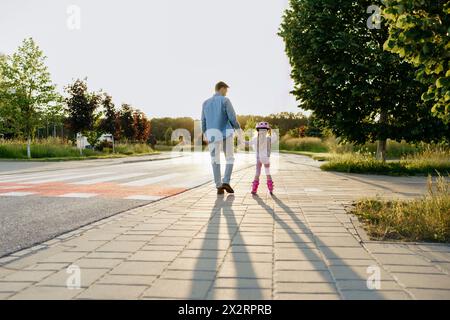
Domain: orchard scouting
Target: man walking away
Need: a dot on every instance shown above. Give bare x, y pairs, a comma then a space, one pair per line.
218, 125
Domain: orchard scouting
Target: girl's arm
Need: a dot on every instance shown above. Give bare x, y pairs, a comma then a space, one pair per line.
250, 143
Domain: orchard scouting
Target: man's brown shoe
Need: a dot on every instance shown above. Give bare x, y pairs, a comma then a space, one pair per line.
227, 188
220, 191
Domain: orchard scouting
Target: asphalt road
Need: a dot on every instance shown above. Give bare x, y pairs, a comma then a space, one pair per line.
39, 201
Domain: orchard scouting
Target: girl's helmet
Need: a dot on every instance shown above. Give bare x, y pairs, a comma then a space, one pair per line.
263, 125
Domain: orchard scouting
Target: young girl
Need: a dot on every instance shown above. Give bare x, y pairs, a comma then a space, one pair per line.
262, 144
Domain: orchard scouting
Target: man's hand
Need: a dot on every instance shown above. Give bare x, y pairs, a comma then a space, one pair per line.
240, 135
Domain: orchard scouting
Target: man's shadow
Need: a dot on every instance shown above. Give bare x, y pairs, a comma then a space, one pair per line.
223, 207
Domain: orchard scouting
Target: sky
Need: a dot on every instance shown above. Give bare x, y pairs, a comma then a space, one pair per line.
161, 56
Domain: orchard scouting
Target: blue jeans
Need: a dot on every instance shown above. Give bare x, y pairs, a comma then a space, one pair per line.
227, 146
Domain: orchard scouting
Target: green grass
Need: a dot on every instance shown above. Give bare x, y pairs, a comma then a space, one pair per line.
430, 162
425, 219
58, 150
161, 147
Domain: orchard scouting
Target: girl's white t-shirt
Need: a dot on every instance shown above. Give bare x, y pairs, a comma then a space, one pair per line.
263, 147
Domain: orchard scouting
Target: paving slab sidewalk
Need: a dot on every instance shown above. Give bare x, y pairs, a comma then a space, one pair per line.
298, 244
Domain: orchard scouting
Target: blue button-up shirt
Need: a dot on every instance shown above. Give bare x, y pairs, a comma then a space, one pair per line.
218, 115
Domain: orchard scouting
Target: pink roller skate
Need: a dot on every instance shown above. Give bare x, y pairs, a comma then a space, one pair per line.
270, 186
255, 186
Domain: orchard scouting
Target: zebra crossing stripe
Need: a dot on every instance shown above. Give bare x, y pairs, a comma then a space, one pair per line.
15, 187
149, 181
312, 190
191, 183
36, 175
17, 194
107, 179
67, 177
78, 195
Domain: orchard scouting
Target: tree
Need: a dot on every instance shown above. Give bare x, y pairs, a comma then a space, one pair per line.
419, 32
313, 128
126, 122
341, 72
141, 126
92, 137
168, 136
160, 125
109, 121
55, 114
82, 109
250, 124
285, 121
2, 60
26, 89
3, 115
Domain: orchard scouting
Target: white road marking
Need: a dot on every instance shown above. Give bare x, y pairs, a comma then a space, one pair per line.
68, 177
36, 175
312, 190
191, 183
144, 198
110, 178
149, 181
17, 194
15, 187
78, 195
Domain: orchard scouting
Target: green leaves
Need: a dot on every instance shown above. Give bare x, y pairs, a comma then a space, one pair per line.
343, 73
82, 107
420, 34
428, 96
26, 89
443, 82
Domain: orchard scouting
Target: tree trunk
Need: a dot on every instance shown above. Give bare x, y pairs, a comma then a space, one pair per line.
29, 147
381, 150
80, 141
54, 130
382, 141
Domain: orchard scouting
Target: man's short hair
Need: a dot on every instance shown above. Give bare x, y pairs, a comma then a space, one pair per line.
221, 85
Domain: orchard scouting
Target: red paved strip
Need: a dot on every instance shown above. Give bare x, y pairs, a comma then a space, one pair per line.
106, 190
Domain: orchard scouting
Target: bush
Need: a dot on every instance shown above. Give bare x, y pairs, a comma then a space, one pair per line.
395, 150
58, 148
426, 219
302, 144
130, 149
43, 148
105, 146
430, 162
